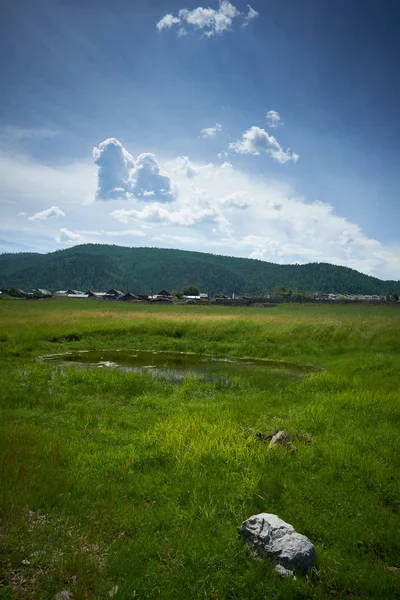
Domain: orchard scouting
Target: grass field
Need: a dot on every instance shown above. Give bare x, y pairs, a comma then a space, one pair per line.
112, 478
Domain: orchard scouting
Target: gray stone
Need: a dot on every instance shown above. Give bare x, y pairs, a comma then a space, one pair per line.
64, 595
284, 572
113, 592
393, 569
281, 439
268, 534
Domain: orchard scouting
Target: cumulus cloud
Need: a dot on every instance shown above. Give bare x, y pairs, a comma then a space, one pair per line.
211, 131
53, 211
148, 183
119, 176
209, 214
167, 21
256, 140
114, 170
68, 236
207, 20
183, 165
273, 118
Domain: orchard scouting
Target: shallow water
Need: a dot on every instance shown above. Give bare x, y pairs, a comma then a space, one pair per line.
175, 365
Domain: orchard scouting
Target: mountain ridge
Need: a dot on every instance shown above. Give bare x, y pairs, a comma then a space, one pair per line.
147, 270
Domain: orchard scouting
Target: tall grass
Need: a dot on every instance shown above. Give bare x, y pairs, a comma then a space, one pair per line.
113, 478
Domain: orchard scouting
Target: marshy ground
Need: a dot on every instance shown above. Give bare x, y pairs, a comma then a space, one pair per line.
112, 477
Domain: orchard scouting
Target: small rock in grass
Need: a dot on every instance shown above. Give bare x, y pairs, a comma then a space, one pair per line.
393, 569
284, 572
64, 595
268, 534
113, 592
281, 439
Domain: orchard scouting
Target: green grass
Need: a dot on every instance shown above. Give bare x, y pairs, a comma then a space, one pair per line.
111, 478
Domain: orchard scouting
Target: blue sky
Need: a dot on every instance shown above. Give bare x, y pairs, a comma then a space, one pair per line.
317, 182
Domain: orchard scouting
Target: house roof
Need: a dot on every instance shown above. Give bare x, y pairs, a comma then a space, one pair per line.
80, 295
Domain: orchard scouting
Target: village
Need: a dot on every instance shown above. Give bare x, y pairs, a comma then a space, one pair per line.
195, 297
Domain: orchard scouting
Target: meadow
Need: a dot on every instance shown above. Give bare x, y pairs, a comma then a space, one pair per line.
119, 484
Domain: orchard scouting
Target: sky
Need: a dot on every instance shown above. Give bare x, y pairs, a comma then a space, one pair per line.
266, 130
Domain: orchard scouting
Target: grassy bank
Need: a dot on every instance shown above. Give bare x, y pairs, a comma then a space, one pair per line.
111, 478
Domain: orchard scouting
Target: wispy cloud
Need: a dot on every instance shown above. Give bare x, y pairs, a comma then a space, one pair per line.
49, 213
11, 133
257, 141
209, 21
252, 14
279, 225
211, 131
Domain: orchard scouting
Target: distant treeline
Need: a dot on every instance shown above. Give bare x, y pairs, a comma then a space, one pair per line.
148, 270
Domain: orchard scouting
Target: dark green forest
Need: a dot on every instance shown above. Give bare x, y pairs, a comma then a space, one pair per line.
148, 270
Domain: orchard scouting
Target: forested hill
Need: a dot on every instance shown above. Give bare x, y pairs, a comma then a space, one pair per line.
146, 270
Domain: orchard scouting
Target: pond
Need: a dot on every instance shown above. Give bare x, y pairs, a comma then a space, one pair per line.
176, 365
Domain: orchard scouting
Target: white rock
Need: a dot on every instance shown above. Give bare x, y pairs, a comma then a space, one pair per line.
268, 534
284, 572
64, 595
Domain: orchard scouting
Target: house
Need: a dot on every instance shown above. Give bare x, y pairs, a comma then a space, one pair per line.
164, 295
93, 294
128, 297
162, 299
80, 295
67, 292
40, 292
113, 294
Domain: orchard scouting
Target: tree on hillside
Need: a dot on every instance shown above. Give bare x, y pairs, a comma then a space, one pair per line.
190, 290
177, 294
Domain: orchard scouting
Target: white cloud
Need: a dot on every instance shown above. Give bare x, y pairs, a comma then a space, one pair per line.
211, 131
68, 236
182, 165
49, 213
256, 140
114, 169
148, 182
277, 225
187, 216
207, 20
237, 200
273, 118
120, 176
126, 232
252, 14
167, 22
